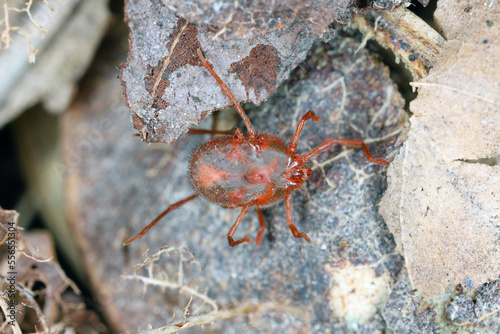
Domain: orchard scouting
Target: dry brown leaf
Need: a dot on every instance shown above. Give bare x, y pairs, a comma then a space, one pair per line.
167, 88
46, 300
442, 205
248, 19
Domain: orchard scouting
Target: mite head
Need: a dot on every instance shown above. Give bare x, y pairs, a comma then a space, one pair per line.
296, 173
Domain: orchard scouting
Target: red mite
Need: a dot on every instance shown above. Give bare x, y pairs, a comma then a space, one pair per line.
255, 171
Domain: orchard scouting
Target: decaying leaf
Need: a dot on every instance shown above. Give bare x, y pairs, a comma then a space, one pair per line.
443, 205
249, 19
169, 91
45, 299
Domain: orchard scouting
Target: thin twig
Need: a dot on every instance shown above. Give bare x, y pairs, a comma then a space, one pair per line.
15, 328
244, 309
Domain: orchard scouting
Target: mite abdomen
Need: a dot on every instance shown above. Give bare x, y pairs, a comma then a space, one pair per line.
235, 172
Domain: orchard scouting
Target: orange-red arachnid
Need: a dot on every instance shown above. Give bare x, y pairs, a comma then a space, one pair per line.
235, 171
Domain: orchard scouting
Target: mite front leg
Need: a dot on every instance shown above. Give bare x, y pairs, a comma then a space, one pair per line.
348, 142
300, 127
230, 234
289, 219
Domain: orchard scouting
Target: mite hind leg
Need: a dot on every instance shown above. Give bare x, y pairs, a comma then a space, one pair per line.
157, 219
289, 219
260, 234
231, 232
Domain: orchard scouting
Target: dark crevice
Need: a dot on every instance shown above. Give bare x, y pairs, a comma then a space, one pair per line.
425, 13
398, 72
11, 178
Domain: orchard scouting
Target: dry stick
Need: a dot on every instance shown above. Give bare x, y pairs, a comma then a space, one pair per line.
15, 328
174, 286
6, 31
198, 320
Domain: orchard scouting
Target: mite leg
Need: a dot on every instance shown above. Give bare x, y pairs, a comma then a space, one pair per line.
348, 142
289, 219
251, 131
230, 234
300, 127
260, 234
157, 219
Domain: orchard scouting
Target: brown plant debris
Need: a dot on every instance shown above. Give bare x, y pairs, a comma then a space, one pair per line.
45, 299
259, 69
248, 19
443, 204
411, 39
167, 89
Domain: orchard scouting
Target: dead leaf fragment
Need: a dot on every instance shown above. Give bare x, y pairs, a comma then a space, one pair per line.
259, 70
45, 298
263, 42
443, 210
244, 20
410, 38
167, 88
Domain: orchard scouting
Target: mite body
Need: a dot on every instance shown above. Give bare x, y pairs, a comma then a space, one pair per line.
235, 171
257, 170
